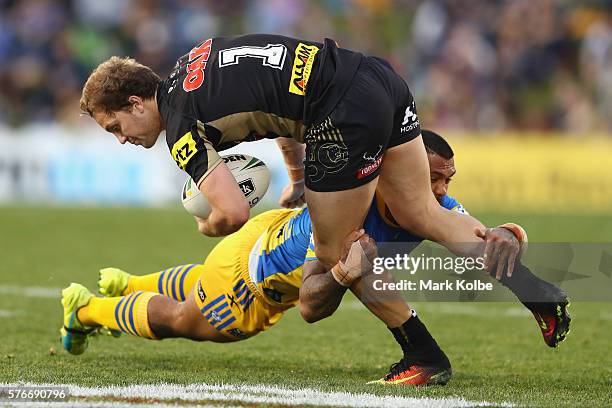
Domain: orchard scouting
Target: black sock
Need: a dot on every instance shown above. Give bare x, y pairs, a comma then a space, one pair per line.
416, 341
536, 294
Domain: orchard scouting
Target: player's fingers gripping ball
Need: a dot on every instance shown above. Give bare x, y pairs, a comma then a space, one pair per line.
251, 174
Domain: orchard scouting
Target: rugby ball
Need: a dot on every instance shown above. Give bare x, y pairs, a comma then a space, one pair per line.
251, 174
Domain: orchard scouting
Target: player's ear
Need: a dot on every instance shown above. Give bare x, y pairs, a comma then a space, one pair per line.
137, 103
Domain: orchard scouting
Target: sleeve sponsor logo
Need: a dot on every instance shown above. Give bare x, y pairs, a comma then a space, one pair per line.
201, 293
198, 57
369, 169
459, 208
411, 120
302, 68
183, 150
374, 162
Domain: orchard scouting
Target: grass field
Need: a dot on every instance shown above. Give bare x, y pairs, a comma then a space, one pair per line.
496, 349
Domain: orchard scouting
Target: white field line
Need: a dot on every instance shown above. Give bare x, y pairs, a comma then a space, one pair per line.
255, 394
10, 313
605, 315
103, 404
454, 308
31, 291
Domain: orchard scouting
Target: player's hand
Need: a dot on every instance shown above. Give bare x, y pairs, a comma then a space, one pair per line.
201, 223
293, 195
368, 245
501, 250
356, 258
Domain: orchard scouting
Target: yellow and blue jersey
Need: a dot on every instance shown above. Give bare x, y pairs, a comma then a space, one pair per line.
252, 276
382, 227
276, 259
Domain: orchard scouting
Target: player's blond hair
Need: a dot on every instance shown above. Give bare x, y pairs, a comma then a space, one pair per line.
111, 84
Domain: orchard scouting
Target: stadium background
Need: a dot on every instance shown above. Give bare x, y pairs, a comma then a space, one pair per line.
523, 90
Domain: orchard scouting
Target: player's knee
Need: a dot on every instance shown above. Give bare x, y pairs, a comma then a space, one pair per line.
183, 323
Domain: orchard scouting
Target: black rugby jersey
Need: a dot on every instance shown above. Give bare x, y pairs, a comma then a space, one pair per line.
228, 90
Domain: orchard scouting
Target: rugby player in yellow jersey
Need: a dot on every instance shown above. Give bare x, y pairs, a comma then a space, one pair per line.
253, 276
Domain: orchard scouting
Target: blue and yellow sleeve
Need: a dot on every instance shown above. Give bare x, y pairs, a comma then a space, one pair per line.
452, 204
310, 252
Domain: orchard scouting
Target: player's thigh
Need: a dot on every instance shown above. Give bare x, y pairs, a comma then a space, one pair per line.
404, 182
334, 215
343, 157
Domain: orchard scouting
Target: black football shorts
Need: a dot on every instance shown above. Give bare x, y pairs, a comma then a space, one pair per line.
377, 112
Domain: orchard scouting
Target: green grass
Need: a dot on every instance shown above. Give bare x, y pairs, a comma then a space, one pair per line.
495, 358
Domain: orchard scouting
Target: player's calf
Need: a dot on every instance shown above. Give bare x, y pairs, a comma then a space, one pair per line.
172, 319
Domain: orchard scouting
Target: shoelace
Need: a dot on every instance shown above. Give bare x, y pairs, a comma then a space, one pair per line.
399, 367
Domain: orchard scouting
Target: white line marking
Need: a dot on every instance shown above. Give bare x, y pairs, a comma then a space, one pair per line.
605, 315
102, 404
10, 313
255, 394
31, 291
451, 308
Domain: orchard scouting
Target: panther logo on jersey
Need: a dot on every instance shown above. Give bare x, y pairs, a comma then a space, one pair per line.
333, 157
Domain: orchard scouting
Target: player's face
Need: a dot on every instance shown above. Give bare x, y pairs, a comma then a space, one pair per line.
139, 124
441, 171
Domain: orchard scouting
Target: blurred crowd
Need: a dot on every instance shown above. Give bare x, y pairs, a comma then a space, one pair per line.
472, 64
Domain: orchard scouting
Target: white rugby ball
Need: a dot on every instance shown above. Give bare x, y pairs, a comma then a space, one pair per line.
251, 174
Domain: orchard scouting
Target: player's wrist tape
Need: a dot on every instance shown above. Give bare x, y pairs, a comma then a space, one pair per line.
357, 263
340, 275
519, 232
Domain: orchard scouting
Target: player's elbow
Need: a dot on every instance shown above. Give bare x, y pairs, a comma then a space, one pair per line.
236, 218
310, 314
224, 222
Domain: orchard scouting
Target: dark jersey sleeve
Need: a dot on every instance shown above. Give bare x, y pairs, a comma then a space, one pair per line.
186, 137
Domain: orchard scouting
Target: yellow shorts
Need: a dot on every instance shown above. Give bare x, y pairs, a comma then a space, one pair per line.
225, 294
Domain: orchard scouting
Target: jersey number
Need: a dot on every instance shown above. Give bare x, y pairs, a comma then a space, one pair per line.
272, 55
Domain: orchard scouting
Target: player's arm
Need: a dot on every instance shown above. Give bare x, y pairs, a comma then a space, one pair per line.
229, 207
320, 294
196, 155
322, 290
293, 154
501, 246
